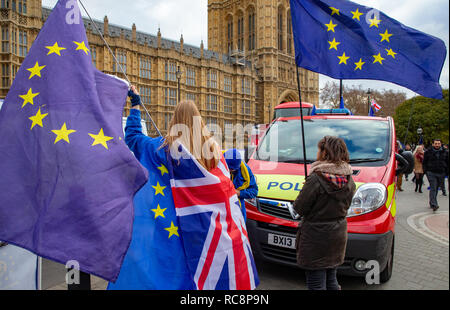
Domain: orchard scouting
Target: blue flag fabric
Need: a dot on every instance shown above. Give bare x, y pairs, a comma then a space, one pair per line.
67, 178
345, 40
371, 112
156, 258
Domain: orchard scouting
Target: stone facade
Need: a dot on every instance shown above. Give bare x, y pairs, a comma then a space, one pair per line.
229, 87
260, 31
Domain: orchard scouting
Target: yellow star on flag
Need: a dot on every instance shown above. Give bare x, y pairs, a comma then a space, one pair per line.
359, 64
81, 46
333, 44
36, 70
159, 212
385, 36
391, 52
357, 14
37, 119
173, 230
100, 138
331, 26
28, 97
163, 170
334, 11
343, 58
55, 49
378, 58
159, 189
374, 22
63, 134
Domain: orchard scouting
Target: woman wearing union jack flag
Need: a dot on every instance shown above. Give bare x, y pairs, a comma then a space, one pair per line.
188, 231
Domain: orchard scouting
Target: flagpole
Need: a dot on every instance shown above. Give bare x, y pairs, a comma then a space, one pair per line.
340, 90
409, 123
301, 114
118, 64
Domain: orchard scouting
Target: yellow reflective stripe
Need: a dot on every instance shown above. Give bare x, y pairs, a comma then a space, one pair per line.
246, 176
391, 199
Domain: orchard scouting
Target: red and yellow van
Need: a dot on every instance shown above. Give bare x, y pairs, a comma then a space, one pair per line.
278, 165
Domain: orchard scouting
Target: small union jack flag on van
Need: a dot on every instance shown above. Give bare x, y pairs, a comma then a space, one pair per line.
375, 105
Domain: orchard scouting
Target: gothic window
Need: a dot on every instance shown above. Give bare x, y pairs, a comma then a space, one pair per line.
170, 97
23, 48
289, 33
211, 103
94, 55
227, 105
280, 28
228, 87
145, 93
171, 71
240, 38
190, 76
145, 67
230, 34
251, 31
211, 80
121, 57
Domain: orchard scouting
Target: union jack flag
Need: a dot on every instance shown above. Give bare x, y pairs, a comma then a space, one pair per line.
213, 230
376, 106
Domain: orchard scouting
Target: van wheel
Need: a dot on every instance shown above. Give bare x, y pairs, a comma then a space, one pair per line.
386, 274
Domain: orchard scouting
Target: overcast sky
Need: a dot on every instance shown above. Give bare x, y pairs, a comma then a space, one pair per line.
190, 18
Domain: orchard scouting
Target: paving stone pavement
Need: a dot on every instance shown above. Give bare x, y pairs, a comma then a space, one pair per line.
420, 262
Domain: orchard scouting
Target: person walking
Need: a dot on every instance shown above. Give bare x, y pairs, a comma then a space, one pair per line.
407, 148
323, 204
435, 166
242, 177
402, 163
418, 168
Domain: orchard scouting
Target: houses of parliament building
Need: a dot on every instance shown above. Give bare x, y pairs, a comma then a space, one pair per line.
246, 70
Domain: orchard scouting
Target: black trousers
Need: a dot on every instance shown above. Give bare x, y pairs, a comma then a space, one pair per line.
324, 279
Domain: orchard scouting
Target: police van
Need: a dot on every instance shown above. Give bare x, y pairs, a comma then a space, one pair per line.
278, 165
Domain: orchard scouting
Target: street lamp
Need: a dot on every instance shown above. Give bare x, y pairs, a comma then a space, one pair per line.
420, 134
179, 74
368, 100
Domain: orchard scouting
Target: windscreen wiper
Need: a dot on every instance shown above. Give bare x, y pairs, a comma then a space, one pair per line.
365, 160
297, 161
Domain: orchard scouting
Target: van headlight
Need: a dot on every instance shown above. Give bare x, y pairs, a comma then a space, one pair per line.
368, 197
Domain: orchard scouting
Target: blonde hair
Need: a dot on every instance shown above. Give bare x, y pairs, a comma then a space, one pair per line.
187, 127
419, 148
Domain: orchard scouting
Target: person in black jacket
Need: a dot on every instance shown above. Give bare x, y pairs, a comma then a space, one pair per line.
435, 166
323, 204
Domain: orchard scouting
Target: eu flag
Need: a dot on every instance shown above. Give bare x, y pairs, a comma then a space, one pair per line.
345, 40
67, 178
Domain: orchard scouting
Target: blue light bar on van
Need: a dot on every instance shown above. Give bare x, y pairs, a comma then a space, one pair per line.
344, 111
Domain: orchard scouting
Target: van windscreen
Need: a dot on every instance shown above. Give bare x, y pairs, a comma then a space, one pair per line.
367, 140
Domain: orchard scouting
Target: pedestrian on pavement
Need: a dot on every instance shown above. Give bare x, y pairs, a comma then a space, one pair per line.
242, 177
402, 165
407, 148
418, 167
435, 166
323, 204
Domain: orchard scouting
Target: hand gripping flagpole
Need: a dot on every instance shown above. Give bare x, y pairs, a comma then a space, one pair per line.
117, 62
